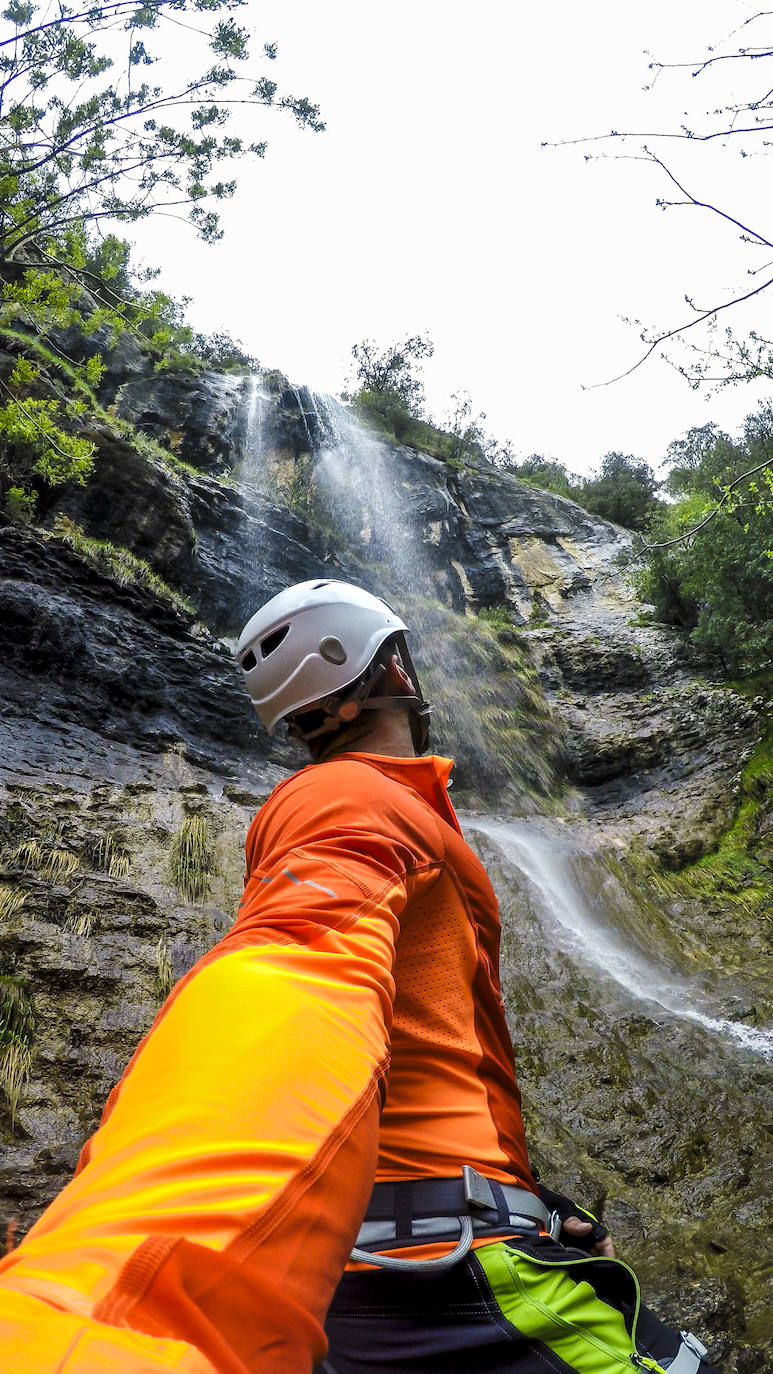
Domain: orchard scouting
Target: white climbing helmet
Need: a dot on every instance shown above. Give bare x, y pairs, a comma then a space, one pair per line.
313, 641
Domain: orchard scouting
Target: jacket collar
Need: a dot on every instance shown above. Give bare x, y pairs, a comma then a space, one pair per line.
428, 776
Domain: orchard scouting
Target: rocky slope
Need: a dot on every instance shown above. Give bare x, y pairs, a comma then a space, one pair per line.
126, 737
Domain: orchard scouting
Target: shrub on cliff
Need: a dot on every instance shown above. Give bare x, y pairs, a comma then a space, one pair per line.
709, 555
388, 386
623, 491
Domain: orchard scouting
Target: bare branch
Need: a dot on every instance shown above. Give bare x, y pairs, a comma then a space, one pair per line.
706, 205
681, 329
684, 136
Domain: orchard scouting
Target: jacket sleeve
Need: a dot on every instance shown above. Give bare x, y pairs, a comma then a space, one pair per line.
330, 864
219, 1200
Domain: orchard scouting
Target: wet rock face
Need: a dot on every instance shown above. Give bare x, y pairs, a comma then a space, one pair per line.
94, 952
193, 416
81, 650
136, 502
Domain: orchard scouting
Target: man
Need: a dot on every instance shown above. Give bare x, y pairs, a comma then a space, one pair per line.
349, 1028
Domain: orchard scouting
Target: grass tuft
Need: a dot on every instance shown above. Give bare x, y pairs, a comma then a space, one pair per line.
82, 921
112, 856
27, 855
193, 859
12, 899
122, 566
17, 1030
164, 972
60, 864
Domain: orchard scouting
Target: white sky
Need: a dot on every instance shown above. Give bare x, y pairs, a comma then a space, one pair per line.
428, 205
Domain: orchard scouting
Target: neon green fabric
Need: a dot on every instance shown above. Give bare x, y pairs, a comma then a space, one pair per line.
550, 1304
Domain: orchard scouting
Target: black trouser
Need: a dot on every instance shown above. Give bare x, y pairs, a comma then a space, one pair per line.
520, 1307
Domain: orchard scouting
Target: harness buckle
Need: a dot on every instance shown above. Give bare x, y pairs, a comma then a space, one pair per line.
477, 1189
554, 1225
692, 1343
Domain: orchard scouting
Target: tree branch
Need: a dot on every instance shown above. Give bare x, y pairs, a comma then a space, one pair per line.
688, 534
117, 6
681, 329
34, 422
706, 205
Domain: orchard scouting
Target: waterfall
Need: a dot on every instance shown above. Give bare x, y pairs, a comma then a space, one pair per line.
251, 437
358, 479
588, 929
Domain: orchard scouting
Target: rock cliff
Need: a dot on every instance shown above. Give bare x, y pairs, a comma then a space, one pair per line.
127, 741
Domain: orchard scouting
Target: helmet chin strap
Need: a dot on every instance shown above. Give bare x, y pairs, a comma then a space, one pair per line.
343, 711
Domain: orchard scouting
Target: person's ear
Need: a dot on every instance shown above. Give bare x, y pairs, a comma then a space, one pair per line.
396, 680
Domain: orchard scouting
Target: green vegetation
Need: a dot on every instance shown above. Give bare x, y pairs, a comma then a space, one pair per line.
740, 867
119, 564
111, 855
705, 561
623, 489
193, 859
490, 711
12, 899
17, 1029
85, 138
497, 615
715, 583
390, 394
164, 972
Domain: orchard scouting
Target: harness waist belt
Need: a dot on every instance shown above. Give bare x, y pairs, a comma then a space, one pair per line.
471, 1195
415, 1211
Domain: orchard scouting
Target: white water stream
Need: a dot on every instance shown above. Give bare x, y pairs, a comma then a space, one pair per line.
252, 430
568, 915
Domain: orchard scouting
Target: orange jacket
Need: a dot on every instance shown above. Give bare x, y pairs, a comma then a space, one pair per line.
344, 828
213, 1211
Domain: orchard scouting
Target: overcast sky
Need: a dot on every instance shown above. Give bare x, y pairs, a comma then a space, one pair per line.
428, 205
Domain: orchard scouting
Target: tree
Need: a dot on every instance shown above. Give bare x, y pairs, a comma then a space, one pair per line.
547, 474
85, 136
708, 569
465, 429
391, 389
622, 491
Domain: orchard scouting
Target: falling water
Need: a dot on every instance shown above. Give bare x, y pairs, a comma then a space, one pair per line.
547, 864
252, 431
358, 478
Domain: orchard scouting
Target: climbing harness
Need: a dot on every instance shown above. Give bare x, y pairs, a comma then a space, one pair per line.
423, 1210
689, 1355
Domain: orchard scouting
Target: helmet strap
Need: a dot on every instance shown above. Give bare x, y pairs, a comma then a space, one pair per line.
341, 712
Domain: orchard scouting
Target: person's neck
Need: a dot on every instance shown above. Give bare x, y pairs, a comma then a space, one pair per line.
390, 735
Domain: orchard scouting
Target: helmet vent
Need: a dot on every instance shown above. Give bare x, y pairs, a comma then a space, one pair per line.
272, 641
249, 661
